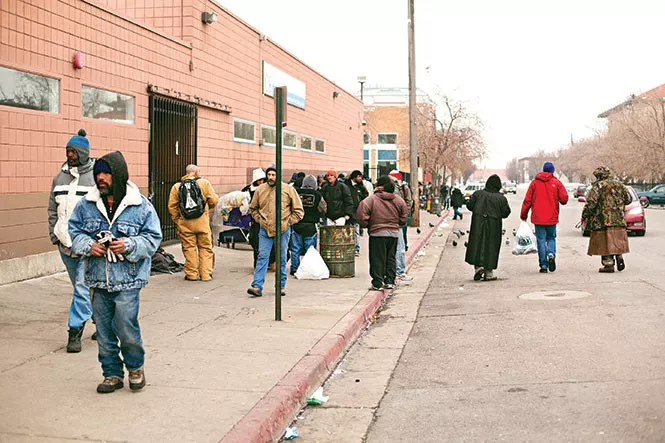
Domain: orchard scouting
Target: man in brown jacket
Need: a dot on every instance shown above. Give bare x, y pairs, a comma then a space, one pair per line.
383, 213
195, 234
263, 210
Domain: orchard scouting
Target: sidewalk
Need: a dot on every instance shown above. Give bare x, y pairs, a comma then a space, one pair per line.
213, 355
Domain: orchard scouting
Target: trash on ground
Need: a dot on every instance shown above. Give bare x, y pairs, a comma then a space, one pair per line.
525, 240
454, 243
317, 398
420, 253
291, 433
312, 266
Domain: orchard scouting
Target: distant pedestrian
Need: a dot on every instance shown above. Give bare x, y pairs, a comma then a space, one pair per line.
604, 212
304, 232
488, 207
263, 210
543, 198
72, 182
445, 196
189, 203
457, 201
258, 178
358, 194
117, 230
383, 213
338, 199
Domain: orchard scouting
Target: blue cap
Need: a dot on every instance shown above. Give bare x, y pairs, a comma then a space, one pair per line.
80, 141
548, 167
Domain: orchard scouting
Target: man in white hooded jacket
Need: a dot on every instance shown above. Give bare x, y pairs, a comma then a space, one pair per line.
73, 181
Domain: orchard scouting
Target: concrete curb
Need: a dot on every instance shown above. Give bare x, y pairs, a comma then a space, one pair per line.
266, 421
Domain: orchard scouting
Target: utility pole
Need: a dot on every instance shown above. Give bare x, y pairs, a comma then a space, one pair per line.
413, 136
280, 121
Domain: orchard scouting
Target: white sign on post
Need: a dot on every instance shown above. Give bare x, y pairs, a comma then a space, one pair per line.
273, 77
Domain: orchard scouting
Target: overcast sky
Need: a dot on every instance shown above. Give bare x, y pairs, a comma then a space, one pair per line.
535, 71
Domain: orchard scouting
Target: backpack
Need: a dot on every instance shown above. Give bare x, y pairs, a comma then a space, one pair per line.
190, 199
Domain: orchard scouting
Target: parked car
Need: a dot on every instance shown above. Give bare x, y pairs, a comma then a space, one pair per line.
654, 196
570, 187
634, 214
510, 188
580, 191
470, 188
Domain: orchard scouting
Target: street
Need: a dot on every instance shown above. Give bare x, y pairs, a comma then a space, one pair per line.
456, 360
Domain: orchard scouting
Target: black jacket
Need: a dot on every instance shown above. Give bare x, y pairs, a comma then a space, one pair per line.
489, 207
338, 198
358, 194
311, 199
457, 199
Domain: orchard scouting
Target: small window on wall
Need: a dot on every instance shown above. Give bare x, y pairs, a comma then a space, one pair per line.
30, 91
107, 105
268, 135
243, 131
366, 155
305, 143
386, 139
366, 138
320, 146
289, 139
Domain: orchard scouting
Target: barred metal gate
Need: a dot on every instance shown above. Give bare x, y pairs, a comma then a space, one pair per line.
172, 148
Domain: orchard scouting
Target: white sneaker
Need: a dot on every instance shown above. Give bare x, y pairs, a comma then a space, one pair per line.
404, 277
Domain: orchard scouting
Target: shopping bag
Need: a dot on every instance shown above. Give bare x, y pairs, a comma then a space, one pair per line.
525, 240
312, 266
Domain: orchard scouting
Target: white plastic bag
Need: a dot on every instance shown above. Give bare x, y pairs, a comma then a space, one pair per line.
525, 240
312, 266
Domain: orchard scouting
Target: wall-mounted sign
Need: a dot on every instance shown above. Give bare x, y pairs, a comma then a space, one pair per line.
273, 77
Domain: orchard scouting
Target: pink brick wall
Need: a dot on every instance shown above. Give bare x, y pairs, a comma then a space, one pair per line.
124, 55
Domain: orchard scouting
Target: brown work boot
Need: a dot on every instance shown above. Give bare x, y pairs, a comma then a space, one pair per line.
136, 379
606, 269
254, 292
109, 385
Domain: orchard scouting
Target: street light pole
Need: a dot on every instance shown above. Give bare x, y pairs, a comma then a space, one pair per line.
413, 139
361, 79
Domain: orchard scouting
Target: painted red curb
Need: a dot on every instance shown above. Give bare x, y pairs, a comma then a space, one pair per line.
266, 421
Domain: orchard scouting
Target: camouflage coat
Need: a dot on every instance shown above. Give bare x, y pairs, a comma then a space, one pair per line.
606, 202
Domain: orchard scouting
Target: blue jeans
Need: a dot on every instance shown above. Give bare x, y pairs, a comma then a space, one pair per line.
357, 226
265, 245
80, 310
400, 255
546, 240
299, 246
117, 320
457, 213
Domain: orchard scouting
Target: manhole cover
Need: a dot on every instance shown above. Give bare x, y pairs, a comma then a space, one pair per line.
554, 295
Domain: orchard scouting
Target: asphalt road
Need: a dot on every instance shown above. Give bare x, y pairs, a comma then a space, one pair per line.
483, 363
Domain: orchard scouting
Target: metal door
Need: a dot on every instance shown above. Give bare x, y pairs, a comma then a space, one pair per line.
172, 148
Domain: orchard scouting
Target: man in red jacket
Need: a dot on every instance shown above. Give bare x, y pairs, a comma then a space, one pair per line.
545, 194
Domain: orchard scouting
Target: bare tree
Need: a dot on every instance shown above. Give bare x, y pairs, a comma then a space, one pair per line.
449, 149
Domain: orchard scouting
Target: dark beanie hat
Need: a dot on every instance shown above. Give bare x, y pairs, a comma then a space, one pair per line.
271, 168
355, 174
548, 167
82, 146
386, 183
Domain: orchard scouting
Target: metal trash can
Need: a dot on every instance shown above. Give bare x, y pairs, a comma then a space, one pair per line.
338, 250
435, 208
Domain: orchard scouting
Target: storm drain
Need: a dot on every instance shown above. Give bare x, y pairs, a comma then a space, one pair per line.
554, 295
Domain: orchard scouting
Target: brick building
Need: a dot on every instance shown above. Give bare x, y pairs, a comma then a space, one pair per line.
386, 129
167, 82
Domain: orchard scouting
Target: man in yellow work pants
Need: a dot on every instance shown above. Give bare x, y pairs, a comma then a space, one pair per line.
189, 210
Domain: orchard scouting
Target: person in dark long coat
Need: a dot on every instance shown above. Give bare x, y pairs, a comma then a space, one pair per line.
489, 207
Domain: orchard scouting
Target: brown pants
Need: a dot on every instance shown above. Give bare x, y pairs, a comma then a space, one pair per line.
199, 256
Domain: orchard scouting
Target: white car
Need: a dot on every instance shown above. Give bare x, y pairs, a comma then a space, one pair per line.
470, 188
